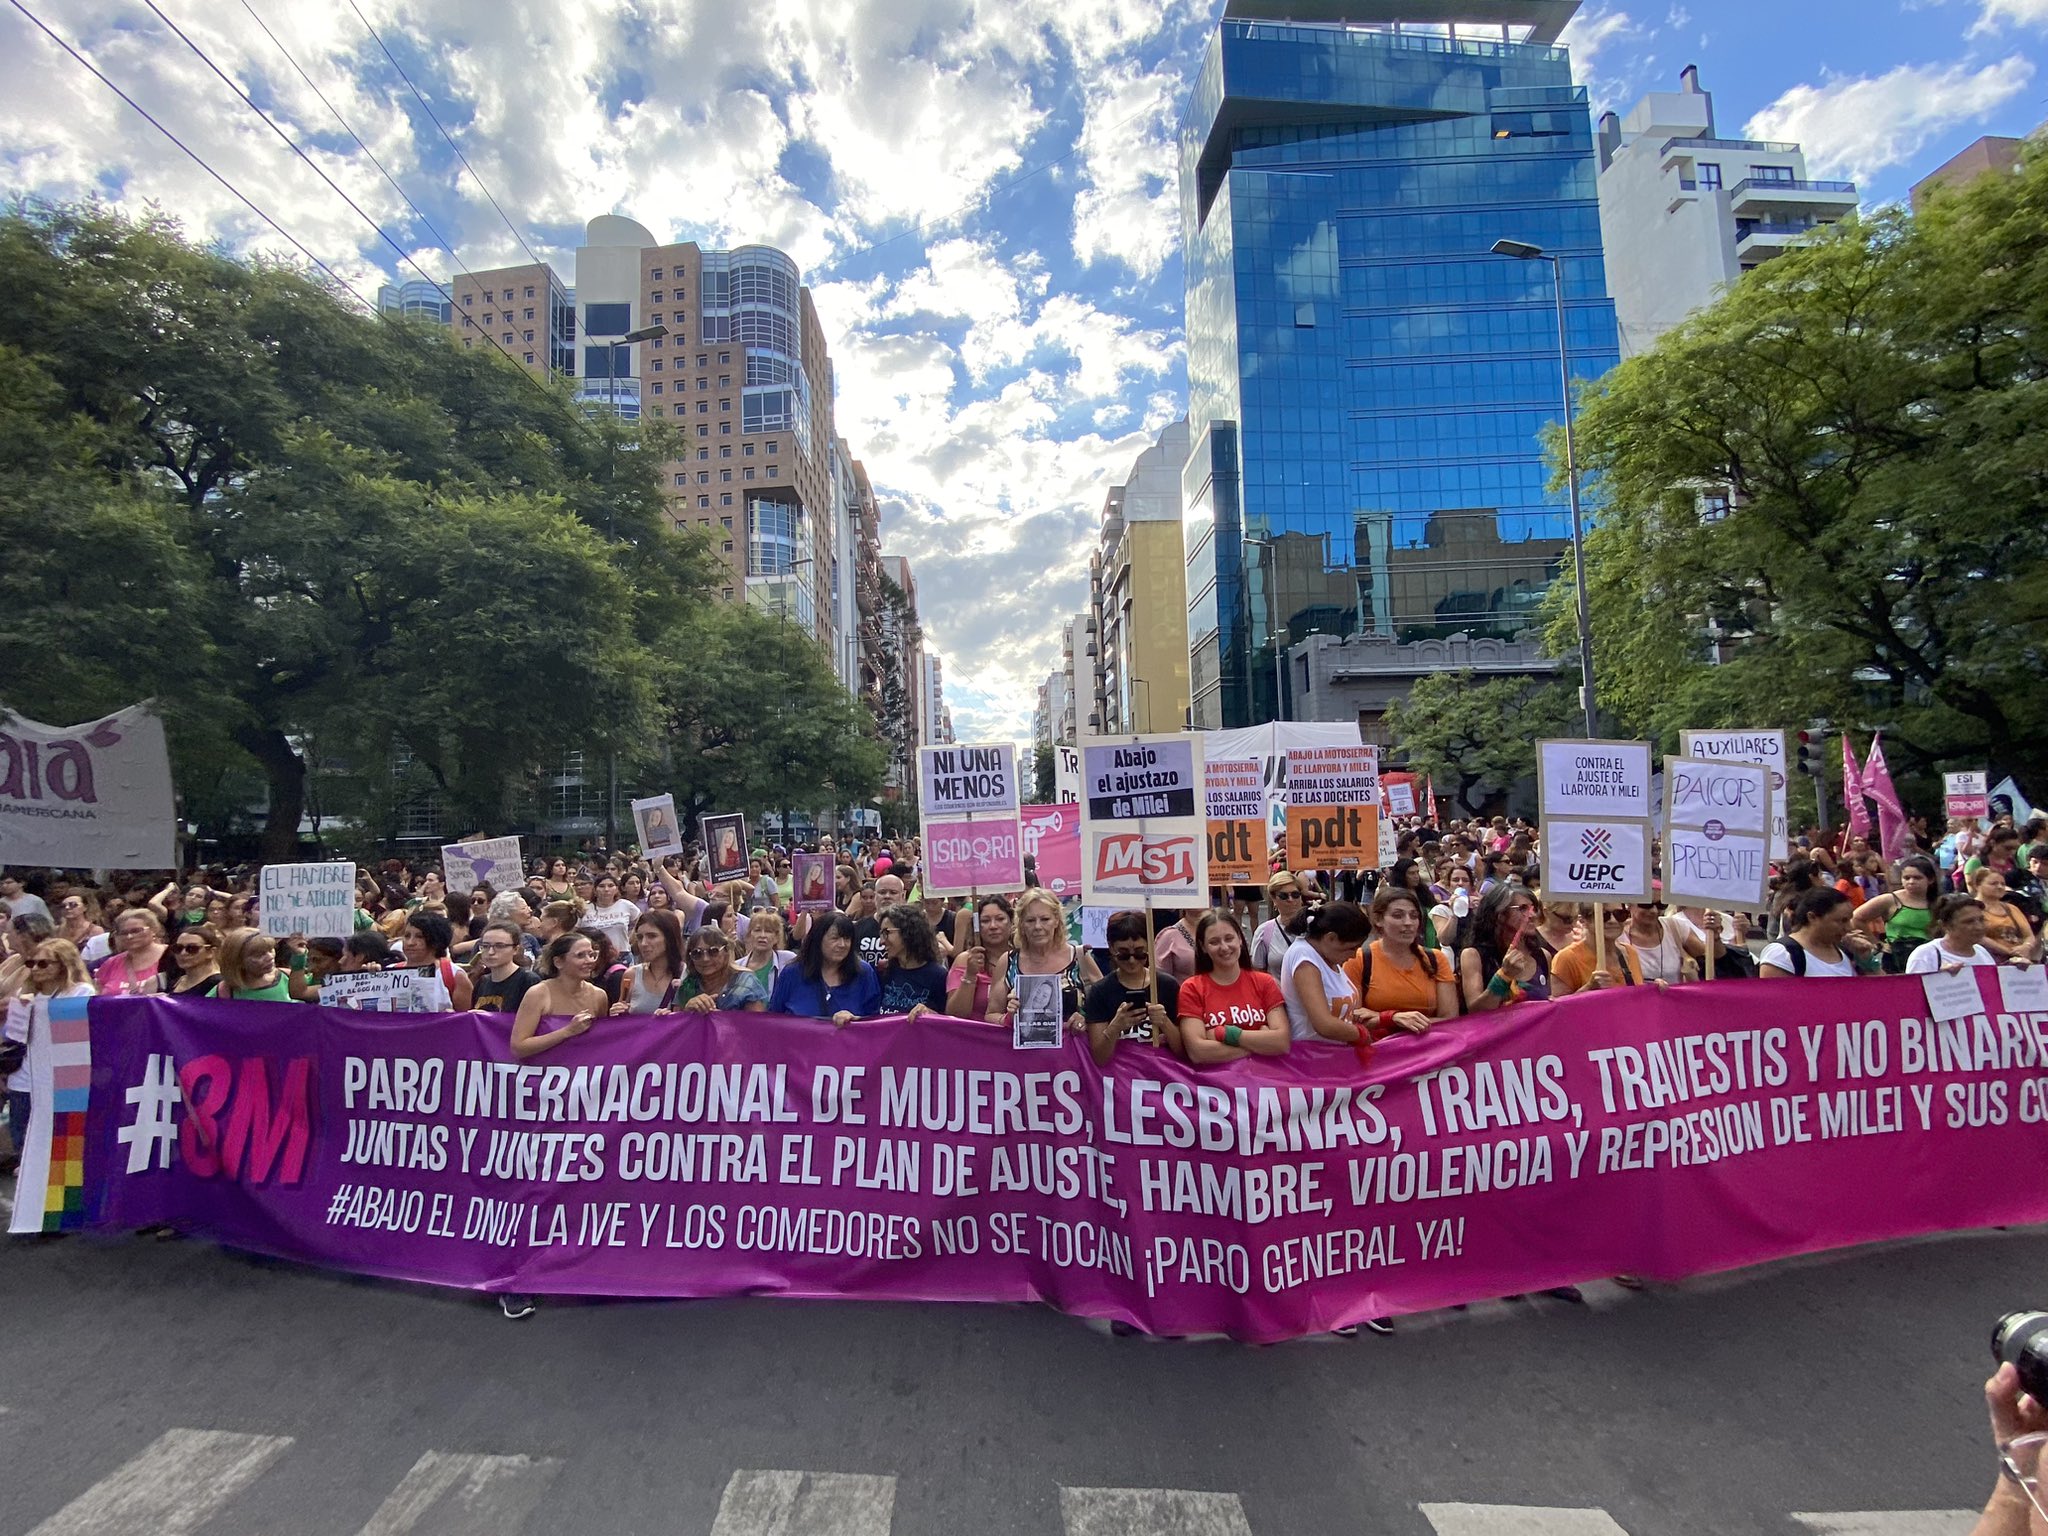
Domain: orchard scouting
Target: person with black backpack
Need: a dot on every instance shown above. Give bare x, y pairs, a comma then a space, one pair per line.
1820, 942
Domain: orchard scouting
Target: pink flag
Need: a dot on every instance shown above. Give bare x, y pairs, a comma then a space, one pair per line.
1429, 801
1891, 814
1853, 790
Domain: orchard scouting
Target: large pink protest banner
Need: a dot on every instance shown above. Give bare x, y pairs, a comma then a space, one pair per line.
1621, 1132
1052, 836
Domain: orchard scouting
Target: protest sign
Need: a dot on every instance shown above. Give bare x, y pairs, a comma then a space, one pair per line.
1766, 748
656, 826
1952, 995
1595, 807
1066, 776
967, 780
412, 990
1234, 796
318, 900
981, 853
1966, 796
1333, 808
972, 837
1037, 1025
2023, 988
725, 844
1052, 839
1144, 840
1401, 796
492, 861
812, 879
1627, 1131
91, 796
1716, 836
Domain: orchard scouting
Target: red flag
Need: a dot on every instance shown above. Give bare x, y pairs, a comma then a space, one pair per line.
1891, 812
1852, 790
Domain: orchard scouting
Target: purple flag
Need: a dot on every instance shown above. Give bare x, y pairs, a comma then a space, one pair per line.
1852, 790
1891, 814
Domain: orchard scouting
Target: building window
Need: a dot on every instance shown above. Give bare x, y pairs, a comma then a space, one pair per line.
508, 338
750, 473
703, 453
725, 381
725, 523
680, 479
703, 477
1769, 173
1709, 177
703, 383
771, 471
529, 357
728, 594
725, 498
508, 295
527, 336
656, 366
655, 298
607, 319
529, 290
703, 407
529, 308
657, 388
1713, 506
680, 410
771, 441
655, 274
728, 546
726, 357
469, 298
725, 429
703, 501
700, 363
749, 450
725, 474
724, 452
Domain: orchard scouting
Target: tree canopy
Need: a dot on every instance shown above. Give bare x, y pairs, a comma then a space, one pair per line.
1476, 740
314, 535
1868, 409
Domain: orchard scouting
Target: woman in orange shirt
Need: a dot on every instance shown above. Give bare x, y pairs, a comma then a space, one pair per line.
1401, 985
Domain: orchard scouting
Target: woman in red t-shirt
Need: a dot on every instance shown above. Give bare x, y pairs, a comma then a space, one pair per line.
1225, 1010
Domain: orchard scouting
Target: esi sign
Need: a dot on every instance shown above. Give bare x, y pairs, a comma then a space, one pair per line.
1595, 809
1144, 831
1967, 796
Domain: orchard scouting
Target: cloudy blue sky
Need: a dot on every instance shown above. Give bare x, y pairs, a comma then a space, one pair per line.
980, 192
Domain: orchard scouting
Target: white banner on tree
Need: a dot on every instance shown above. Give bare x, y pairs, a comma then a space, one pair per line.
318, 900
92, 796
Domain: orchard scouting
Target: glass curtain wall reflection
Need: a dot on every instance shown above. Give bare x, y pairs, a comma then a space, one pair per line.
1368, 384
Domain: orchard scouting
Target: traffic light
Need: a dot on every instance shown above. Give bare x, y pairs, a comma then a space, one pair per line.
1809, 753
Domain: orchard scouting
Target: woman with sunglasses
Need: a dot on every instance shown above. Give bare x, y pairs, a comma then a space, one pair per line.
1663, 942
78, 923
715, 982
139, 953
653, 985
1270, 941
195, 954
52, 969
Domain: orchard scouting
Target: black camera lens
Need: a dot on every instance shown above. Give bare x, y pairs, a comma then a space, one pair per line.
2021, 1340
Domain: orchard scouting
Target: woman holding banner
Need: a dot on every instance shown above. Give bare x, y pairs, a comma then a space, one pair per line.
426, 939
653, 985
715, 982
248, 968
913, 981
1320, 998
1226, 1011
985, 950
827, 980
1401, 984
1958, 940
1044, 950
565, 992
196, 954
2007, 934
1820, 943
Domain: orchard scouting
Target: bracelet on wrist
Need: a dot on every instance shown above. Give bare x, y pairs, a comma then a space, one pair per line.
1500, 986
1232, 1034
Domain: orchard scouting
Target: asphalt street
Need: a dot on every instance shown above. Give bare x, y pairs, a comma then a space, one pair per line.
176, 1387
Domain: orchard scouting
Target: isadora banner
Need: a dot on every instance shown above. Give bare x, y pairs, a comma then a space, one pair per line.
1630, 1131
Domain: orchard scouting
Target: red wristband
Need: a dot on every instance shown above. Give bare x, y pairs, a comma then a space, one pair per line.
1386, 1018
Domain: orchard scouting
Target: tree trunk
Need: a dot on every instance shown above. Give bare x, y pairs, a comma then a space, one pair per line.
286, 772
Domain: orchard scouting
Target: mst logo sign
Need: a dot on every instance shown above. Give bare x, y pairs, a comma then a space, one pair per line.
1132, 856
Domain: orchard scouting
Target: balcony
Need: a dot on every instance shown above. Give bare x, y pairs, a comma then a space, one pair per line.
1764, 239
1829, 199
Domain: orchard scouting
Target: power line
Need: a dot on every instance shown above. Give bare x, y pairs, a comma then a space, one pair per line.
290, 143
439, 239
194, 156
444, 132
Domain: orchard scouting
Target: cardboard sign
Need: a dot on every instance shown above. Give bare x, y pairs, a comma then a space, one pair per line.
1144, 839
406, 991
812, 881
1234, 800
725, 845
973, 854
1052, 839
958, 781
1066, 776
1967, 796
1596, 860
1594, 780
1716, 845
318, 900
1953, 995
1401, 798
1333, 808
1764, 748
658, 828
492, 861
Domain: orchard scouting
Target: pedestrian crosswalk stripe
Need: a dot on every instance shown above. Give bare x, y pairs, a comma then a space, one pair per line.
805, 1504
450, 1493
1518, 1520
1893, 1522
1151, 1512
175, 1486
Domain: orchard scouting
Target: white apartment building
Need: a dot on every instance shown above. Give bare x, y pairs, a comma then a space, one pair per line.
1685, 212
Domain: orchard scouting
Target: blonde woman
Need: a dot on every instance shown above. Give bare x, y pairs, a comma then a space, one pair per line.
248, 968
766, 952
1043, 949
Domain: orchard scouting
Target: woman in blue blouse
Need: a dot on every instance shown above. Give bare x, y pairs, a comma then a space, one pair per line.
827, 980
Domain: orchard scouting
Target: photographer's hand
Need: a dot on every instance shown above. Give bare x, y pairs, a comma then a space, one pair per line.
2009, 1512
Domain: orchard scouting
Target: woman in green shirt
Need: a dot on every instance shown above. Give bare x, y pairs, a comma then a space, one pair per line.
1907, 913
248, 968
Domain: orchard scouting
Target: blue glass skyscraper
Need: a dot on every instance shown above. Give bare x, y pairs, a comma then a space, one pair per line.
1368, 383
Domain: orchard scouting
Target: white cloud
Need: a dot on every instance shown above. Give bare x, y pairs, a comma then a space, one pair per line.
1130, 209
1992, 14
1605, 47
1858, 125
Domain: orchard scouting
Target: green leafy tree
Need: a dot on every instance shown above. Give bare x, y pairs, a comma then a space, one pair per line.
1476, 740
1870, 405
752, 718
332, 529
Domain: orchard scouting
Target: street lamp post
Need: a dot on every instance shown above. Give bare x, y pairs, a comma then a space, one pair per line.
1522, 251
611, 391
